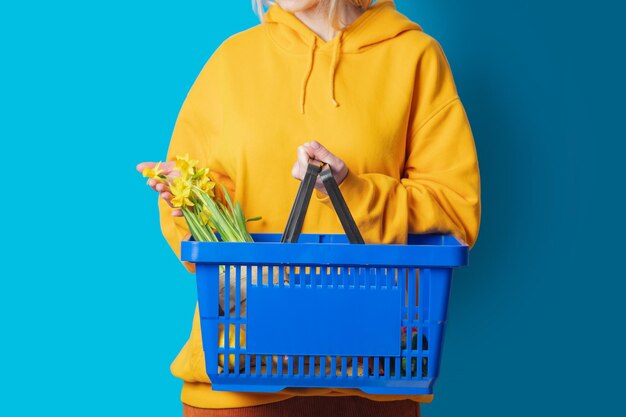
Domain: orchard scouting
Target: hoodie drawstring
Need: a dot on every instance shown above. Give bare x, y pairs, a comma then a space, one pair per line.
308, 74
333, 67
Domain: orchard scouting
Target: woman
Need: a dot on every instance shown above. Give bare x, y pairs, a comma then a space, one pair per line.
350, 83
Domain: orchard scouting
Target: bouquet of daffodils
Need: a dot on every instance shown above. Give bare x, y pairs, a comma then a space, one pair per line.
193, 192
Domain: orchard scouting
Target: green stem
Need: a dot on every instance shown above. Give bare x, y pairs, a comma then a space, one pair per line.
207, 227
192, 222
219, 218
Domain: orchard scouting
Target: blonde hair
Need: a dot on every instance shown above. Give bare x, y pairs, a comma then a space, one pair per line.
330, 8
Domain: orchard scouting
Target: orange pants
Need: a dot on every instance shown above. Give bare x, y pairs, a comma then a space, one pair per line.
314, 407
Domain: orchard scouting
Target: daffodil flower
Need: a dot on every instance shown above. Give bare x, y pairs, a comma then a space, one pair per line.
186, 166
181, 192
206, 185
205, 219
154, 173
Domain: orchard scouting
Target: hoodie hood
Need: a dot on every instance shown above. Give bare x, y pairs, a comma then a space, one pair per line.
380, 23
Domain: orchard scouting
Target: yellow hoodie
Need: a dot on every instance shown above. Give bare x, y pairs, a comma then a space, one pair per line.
380, 96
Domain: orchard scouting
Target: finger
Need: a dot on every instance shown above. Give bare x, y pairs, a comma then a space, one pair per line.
337, 166
309, 150
143, 165
168, 167
322, 154
304, 154
295, 170
177, 213
160, 187
303, 161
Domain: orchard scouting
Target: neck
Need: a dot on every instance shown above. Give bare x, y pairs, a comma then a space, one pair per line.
317, 21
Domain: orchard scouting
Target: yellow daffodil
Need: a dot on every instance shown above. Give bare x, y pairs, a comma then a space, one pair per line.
153, 173
186, 166
206, 184
181, 192
205, 218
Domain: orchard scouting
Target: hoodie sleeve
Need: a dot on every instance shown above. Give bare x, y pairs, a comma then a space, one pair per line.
439, 191
198, 123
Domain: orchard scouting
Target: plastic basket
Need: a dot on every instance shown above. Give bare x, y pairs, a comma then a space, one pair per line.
326, 313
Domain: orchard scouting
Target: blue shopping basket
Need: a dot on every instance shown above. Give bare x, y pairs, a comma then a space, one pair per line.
324, 313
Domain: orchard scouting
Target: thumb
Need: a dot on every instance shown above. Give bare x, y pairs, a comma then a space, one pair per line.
143, 165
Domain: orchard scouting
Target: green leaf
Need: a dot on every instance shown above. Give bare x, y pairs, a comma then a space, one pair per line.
219, 218
227, 197
241, 223
197, 234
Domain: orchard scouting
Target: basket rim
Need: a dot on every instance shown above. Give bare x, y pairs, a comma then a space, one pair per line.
425, 250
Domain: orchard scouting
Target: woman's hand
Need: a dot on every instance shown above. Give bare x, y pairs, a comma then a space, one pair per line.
159, 187
317, 152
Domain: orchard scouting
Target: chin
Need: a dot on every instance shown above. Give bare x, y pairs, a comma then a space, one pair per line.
294, 6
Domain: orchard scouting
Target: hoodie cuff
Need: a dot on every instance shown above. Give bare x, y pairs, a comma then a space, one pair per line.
352, 187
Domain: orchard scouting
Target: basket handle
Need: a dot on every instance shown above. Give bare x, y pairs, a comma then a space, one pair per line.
303, 197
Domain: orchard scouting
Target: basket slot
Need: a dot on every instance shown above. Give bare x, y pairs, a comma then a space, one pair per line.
226, 301
306, 366
425, 275
412, 305
237, 293
412, 308
279, 365
376, 370
237, 348
332, 369
290, 365
424, 291
365, 366
220, 330
387, 367
422, 343
248, 364
352, 278
226, 356
397, 368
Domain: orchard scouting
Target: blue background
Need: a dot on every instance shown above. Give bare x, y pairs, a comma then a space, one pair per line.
94, 306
